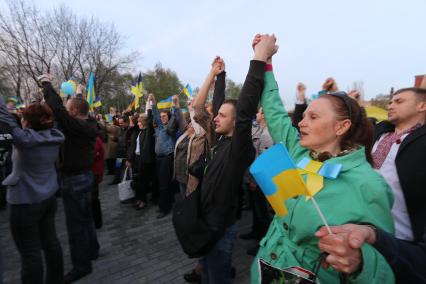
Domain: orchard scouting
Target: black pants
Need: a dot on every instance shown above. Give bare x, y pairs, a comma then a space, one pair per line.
110, 165
164, 166
33, 230
261, 216
145, 179
2, 197
119, 171
96, 207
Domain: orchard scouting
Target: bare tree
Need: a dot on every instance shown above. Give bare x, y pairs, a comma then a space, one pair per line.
59, 42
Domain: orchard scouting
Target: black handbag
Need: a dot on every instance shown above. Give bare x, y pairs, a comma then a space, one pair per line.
194, 235
198, 168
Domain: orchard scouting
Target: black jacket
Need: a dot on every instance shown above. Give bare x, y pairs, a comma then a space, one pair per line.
407, 260
77, 152
411, 168
146, 143
231, 157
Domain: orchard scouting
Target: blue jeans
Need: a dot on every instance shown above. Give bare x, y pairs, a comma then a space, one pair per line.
76, 195
217, 264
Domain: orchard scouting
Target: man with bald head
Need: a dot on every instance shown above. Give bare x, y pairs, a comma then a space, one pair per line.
76, 178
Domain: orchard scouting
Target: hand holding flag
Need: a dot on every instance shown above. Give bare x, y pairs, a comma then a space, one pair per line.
279, 179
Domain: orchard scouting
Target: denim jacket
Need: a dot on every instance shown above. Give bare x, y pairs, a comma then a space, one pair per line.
165, 140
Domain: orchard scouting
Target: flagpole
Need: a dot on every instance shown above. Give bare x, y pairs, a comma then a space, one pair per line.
321, 216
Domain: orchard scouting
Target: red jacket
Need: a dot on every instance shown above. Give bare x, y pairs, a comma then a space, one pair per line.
98, 162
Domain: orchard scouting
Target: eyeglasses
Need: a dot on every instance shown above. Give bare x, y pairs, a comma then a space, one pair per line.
346, 100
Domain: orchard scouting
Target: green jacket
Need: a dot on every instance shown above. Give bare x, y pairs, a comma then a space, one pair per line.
358, 195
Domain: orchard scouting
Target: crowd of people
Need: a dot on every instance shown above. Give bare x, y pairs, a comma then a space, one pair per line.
194, 165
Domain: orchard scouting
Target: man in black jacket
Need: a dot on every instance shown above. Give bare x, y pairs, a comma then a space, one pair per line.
399, 154
223, 176
76, 178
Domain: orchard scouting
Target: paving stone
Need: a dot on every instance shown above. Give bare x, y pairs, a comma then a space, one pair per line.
135, 246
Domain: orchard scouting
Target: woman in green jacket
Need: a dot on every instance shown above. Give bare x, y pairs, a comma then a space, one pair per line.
335, 129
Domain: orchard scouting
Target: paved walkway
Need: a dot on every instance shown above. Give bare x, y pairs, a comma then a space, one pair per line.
135, 246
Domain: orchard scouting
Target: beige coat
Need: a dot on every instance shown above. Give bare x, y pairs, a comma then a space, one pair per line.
201, 121
111, 146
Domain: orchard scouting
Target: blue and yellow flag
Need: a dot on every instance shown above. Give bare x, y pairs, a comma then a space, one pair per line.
132, 103
166, 103
97, 102
278, 177
187, 90
90, 97
108, 117
137, 91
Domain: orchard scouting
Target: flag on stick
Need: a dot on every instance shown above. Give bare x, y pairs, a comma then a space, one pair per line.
166, 103
137, 91
90, 97
187, 90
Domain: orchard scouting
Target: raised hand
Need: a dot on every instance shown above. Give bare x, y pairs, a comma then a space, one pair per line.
80, 89
354, 94
151, 98
330, 85
265, 48
218, 66
301, 90
45, 78
175, 101
256, 40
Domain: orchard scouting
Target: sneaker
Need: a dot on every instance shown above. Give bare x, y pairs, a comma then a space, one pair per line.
192, 277
161, 215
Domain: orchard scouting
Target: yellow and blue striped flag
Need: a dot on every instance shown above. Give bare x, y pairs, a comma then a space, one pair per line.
90, 97
187, 90
279, 179
166, 103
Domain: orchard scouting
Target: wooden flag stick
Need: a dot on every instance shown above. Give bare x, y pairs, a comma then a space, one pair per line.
321, 215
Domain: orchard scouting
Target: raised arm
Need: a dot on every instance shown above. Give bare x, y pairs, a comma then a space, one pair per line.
250, 96
279, 123
54, 101
203, 93
155, 113
219, 89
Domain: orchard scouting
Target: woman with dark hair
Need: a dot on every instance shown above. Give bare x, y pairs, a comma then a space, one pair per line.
31, 192
335, 130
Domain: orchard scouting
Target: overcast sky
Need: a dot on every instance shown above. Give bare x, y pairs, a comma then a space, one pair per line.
379, 42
